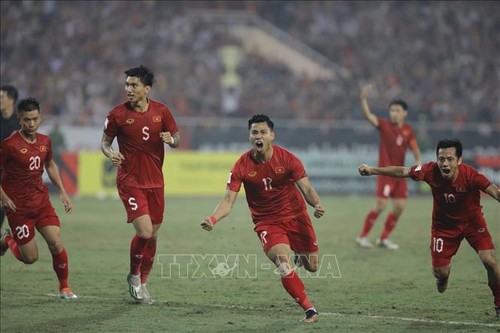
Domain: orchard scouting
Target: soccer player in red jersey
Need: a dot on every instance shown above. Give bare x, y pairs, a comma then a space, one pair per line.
395, 138
272, 177
8, 119
456, 212
141, 126
24, 155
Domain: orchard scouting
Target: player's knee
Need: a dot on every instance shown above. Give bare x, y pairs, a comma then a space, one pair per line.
311, 263
29, 259
489, 262
441, 273
284, 268
55, 246
311, 267
145, 233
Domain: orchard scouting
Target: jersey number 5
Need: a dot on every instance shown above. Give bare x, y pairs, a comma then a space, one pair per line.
145, 131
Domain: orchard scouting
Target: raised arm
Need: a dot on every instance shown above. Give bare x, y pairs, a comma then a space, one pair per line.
493, 191
311, 196
391, 171
372, 118
222, 210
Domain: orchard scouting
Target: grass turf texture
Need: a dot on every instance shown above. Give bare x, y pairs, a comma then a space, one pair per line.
377, 291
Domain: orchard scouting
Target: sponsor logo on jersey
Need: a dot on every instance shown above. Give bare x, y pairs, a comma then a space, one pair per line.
252, 173
460, 189
279, 169
43, 148
156, 119
130, 121
24, 151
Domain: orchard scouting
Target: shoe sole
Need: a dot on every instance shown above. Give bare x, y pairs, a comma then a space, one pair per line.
310, 320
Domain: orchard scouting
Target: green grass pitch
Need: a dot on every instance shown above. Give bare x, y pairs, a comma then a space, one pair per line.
358, 290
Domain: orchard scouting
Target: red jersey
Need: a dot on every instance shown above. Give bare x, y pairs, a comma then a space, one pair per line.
270, 188
394, 142
454, 202
139, 141
22, 166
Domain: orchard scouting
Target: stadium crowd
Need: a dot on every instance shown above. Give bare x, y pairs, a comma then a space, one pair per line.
441, 57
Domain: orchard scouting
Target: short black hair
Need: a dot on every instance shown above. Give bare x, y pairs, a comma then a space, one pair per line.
260, 118
399, 102
450, 143
11, 92
28, 104
144, 74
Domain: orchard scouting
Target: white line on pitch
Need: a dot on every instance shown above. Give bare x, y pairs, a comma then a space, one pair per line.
419, 320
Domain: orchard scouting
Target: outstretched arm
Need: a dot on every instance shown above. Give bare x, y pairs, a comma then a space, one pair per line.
372, 118
222, 210
493, 191
311, 196
391, 171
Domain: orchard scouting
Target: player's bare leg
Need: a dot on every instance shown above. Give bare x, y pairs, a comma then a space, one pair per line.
280, 254
488, 258
442, 275
309, 261
29, 252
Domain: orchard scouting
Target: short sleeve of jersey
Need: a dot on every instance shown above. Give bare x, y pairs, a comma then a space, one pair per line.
235, 177
298, 171
419, 172
49, 150
480, 180
110, 125
169, 122
382, 124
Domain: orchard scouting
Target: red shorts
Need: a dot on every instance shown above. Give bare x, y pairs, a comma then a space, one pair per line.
388, 187
297, 232
141, 201
445, 241
23, 225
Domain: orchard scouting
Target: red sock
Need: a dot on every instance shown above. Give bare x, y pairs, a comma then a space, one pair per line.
148, 259
136, 253
390, 224
60, 265
11, 243
294, 286
369, 222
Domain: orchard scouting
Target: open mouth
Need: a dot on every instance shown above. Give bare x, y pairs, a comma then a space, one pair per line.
259, 144
446, 171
